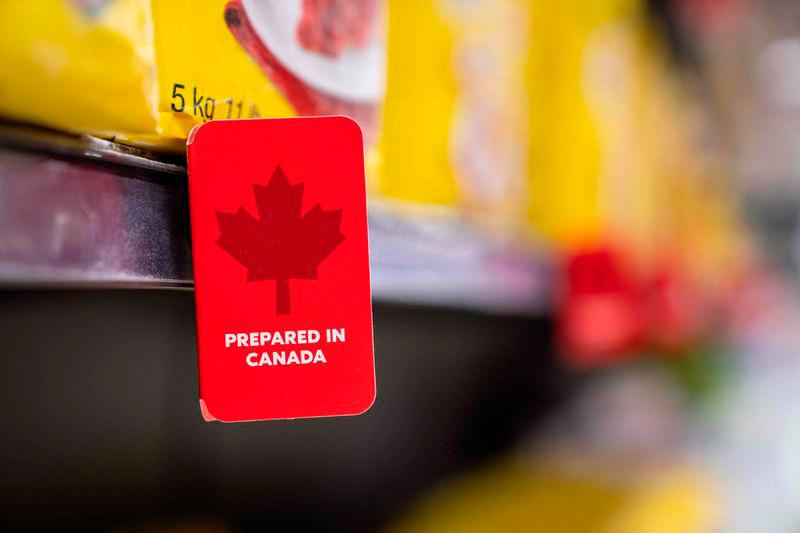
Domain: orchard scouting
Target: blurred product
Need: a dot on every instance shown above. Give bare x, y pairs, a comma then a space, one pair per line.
455, 116
612, 460
146, 72
600, 309
515, 496
625, 183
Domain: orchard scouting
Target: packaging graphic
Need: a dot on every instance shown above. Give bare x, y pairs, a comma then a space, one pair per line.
281, 264
146, 72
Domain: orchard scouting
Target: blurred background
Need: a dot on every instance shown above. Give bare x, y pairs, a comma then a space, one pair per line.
585, 248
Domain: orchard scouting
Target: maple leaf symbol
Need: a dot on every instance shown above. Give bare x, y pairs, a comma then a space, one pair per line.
280, 245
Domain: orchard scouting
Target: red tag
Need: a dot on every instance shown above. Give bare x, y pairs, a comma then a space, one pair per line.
281, 266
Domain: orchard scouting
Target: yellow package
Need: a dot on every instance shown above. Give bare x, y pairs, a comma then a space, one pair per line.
146, 72
677, 210
455, 117
580, 84
626, 82
542, 496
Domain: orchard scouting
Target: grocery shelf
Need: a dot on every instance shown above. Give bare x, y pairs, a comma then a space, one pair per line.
444, 261
30, 138
78, 211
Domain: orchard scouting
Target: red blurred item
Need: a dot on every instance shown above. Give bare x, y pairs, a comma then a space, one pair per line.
676, 310
281, 264
601, 315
